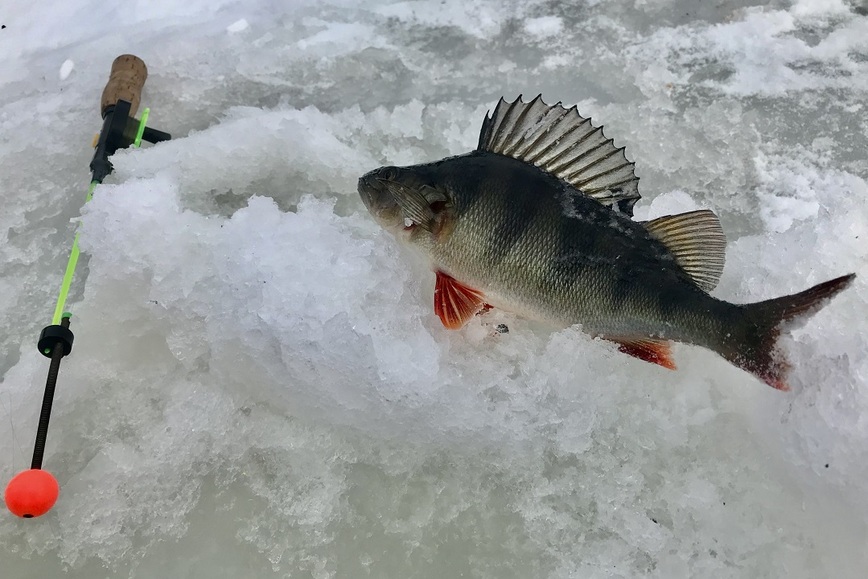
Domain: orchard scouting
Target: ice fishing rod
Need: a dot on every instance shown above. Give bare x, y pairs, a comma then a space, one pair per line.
33, 492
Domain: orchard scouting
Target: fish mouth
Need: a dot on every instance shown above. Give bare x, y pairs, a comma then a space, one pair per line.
378, 198
366, 182
371, 190
363, 188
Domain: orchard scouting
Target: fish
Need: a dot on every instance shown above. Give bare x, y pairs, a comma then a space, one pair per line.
538, 221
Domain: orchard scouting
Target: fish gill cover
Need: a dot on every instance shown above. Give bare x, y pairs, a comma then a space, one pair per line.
259, 385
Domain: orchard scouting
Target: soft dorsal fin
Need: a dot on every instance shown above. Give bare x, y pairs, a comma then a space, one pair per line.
697, 242
565, 144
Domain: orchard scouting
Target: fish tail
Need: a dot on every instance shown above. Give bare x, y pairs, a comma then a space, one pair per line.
754, 348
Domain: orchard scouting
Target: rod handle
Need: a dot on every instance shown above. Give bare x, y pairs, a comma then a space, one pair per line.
125, 83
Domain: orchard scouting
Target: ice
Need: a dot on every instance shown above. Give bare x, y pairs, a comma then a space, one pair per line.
478, 19
238, 26
544, 26
669, 203
770, 52
66, 69
259, 386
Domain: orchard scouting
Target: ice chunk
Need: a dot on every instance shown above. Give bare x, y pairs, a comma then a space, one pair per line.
544, 26
238, 26
671, 203
66, 69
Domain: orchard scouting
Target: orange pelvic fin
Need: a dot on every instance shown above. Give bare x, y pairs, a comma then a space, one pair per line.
454, 302
655, 351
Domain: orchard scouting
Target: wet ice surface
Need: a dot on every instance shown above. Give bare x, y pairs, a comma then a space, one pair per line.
259, 385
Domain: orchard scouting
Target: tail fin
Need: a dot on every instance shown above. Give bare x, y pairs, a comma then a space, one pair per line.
753, 349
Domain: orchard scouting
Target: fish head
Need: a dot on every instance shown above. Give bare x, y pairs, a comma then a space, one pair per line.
406, 203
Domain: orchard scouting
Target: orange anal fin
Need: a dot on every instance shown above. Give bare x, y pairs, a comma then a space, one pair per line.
655, 351
454, 302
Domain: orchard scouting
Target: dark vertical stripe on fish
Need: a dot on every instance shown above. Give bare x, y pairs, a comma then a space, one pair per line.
516, 217
570, 260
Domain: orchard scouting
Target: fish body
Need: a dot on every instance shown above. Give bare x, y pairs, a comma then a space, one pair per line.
531, 247
537, 221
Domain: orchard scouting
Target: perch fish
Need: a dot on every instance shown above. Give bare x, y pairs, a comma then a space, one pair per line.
538, 221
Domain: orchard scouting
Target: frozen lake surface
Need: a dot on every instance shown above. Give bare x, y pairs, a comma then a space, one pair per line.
259, 386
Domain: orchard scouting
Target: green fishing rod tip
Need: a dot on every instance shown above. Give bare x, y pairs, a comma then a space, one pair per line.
137, 142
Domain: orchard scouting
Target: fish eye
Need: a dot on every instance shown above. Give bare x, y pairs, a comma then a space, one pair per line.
387, 173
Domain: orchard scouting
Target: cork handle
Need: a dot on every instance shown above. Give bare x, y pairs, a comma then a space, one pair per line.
125, 83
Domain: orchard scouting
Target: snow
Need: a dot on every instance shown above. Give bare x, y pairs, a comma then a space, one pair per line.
544, 26
237, 26
66, 69
259, 386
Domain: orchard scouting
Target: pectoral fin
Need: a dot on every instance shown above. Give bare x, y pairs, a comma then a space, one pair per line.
454, 302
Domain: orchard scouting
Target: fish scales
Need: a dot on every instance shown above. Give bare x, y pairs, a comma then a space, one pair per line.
510, 226
527, 254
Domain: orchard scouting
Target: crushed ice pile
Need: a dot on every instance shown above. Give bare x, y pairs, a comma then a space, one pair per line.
259, 385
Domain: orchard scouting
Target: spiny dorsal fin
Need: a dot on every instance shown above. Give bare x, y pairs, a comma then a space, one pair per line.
565, 144
697, 242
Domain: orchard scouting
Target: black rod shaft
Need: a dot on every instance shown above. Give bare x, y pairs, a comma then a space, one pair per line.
47, 401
